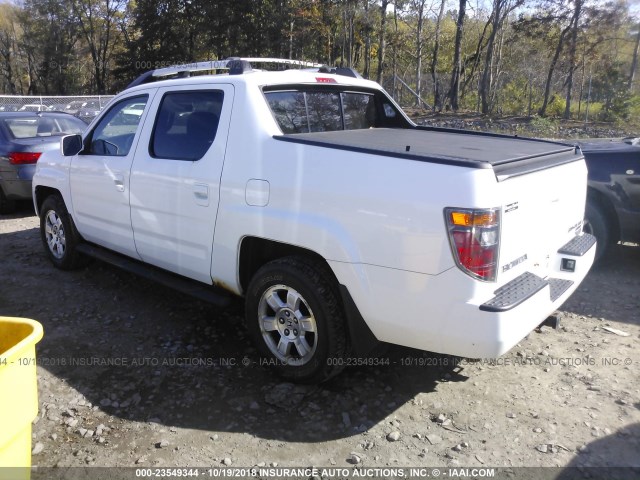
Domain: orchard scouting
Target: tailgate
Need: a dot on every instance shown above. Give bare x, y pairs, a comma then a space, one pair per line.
541, 212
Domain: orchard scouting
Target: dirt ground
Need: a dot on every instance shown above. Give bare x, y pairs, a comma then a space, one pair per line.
133, 374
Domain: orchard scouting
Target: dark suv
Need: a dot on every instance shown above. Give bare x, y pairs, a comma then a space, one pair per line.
613, 200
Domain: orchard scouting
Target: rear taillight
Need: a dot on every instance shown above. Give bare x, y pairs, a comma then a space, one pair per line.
23, 158
474, 235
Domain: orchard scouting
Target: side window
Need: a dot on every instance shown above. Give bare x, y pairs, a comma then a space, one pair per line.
389, 111
186, 124
290, 111
115, 132
359, 111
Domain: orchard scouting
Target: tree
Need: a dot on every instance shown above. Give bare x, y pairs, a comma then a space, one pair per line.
501, 9
474, 59
610, 87
634, 62
575, 21
552, 20
454, 88
368, 29
382, 39
98, 22
8, 46
552, 66
69, 46
418, 7
434, 57
48, 46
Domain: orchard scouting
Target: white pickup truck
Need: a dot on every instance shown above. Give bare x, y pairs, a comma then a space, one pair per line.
312, 195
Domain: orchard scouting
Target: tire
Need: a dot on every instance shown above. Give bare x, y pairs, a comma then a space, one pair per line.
6, 205
297, 292
59, 235
595, 223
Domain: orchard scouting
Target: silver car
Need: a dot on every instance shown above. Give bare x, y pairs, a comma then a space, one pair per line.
23, 138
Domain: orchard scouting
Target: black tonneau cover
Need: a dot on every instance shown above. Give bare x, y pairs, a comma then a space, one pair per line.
508, 156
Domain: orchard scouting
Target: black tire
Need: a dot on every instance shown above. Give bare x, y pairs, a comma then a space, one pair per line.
595, 223
59, 235
6, 205
319, 304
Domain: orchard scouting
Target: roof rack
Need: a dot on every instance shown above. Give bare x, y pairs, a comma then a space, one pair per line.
235, 66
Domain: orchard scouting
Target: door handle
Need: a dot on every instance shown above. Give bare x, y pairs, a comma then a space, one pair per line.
119, 181
201, 193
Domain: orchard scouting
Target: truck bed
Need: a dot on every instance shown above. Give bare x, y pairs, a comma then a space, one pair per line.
508, 156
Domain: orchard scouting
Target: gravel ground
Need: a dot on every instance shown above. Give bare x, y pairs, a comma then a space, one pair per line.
523, 126
133, 374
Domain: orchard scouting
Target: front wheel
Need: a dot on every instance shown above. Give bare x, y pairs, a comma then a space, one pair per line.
59, 236
294, 314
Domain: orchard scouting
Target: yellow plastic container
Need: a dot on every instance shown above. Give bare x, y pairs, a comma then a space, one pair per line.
18, 394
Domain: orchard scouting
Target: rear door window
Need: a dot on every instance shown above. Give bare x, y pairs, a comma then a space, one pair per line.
186, 124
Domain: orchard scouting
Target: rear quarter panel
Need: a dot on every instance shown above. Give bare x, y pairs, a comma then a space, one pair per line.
347, 207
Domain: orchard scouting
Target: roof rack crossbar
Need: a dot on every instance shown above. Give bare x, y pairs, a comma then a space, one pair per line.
227, 64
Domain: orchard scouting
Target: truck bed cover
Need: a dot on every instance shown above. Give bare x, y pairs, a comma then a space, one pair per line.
508, 156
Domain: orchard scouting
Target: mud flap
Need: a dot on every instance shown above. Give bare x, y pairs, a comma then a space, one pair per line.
361, 338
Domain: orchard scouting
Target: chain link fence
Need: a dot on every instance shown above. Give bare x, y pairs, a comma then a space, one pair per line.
85, 107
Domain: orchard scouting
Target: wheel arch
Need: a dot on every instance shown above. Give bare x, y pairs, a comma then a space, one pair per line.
254, 252
600, 200
40, 195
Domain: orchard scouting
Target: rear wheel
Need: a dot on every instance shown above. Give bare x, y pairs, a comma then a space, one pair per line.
595, 223
294, 314
59, 235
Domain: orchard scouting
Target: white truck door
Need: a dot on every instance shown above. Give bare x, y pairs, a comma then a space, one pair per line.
99, 176
175, 179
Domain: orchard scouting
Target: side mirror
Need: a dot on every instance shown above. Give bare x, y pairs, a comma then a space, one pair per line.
71, 145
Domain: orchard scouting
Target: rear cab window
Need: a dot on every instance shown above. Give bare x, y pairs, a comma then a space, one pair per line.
308, 109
